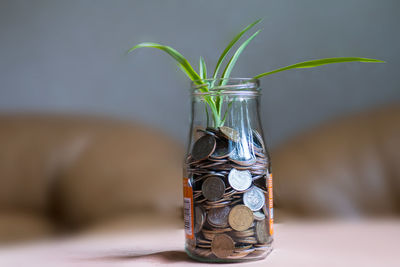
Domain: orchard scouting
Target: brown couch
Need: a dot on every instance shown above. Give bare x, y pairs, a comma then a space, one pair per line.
61, 173
349, 167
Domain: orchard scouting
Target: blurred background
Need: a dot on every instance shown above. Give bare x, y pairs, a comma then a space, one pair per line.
80, 120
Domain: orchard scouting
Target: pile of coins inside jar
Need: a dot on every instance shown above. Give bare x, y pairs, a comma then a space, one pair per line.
228, 172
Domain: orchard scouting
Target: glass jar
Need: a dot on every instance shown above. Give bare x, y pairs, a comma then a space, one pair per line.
228, 207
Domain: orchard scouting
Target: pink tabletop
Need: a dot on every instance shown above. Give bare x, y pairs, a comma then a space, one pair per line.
362, 243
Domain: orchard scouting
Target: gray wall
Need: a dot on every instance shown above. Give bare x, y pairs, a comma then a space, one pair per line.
67, 56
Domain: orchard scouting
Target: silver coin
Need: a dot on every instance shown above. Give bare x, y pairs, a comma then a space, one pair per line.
258, 215
199, 218
239, 180
262, 231
218, 217
254, 199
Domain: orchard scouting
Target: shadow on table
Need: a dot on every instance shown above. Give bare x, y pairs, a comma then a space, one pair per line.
169, 256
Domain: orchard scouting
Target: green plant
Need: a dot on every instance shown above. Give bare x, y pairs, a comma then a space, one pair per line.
215, 100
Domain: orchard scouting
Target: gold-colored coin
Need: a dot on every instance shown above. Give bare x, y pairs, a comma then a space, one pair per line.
230, 133
240, 218
222, 246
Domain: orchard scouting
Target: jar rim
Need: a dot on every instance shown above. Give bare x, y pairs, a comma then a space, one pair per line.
242, 86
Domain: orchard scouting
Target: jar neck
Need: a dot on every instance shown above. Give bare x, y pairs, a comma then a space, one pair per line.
229, 86
221, 96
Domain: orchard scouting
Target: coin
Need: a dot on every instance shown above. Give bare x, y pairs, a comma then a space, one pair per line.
222, 246
217, 230
258, 140
230, 133
205, 131
213, 188
203, 252
213, 130
239, 255
254, 198
262, 231
244, 161
259, 216
199, 218
239, 180
240, 218
200, 245
249, 240
245, 247
203, 147
243, 234
242, 156
222, 149
218, 217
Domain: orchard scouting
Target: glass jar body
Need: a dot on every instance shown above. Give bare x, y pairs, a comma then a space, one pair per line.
227, 175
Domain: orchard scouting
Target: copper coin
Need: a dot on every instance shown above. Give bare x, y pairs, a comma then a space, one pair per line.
242, 157
239, 180
240, 218
230, 133
212, 130
203, 147
243, 161
248, 240
205, 131
258, 140
217, 230
199, 218
262, 231
245, 247
243, 234
213, 188
254, 198
222, 149
202, 252
218, 217
222, 246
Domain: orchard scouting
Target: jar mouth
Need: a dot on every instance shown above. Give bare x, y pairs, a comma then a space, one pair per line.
237, 86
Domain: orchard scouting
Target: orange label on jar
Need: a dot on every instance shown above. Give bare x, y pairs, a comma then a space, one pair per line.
188, 208
270, 204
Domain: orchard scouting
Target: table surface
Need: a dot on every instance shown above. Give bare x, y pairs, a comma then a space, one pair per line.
362, 243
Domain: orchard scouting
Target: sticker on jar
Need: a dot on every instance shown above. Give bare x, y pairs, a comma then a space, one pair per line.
270, 204
188, 208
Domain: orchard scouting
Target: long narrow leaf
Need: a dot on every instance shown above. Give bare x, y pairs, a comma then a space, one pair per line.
230, 45
229, 67
232, 61
319, 62
173, 53
184, 70
202, 68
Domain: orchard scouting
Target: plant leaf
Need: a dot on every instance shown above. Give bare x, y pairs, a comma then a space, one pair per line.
320, 62
227, 110
230, 45
184, 70
173, 53
234, 58
202, 68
